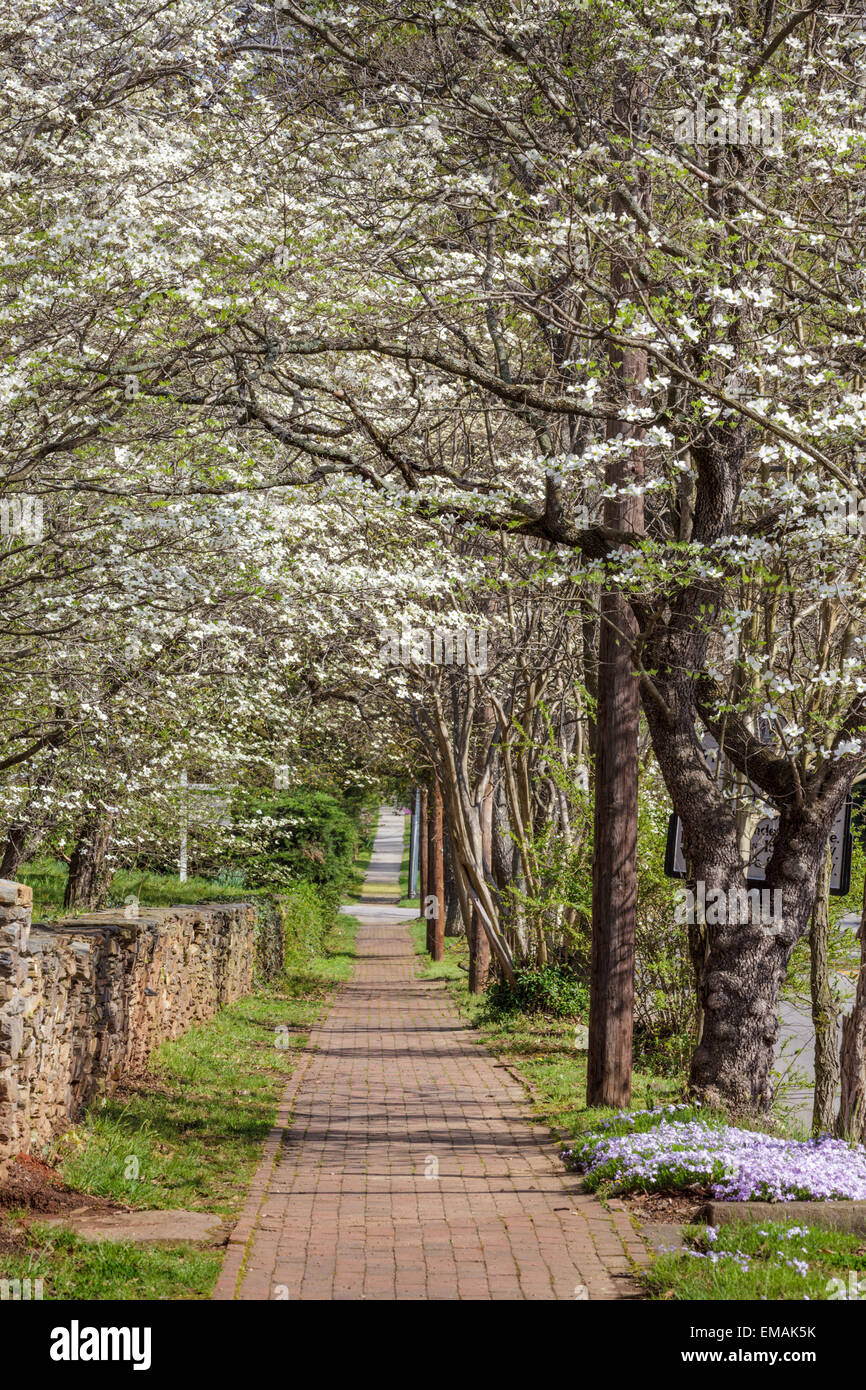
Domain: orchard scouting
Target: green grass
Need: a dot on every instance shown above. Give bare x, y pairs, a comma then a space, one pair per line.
191, 1134
192, 1138
541, 1049
47, 878
764, 1273
451, 968
71, 1268
353, 892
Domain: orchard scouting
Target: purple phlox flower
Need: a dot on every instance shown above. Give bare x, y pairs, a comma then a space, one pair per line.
736, 1164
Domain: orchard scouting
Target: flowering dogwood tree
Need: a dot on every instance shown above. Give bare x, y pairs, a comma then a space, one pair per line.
601, 304
584, 279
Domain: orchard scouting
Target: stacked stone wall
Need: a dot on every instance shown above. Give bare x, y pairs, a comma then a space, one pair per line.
85, 1001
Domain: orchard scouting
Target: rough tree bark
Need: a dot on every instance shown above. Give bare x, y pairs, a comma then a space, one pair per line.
743, 961
454, 925
465, 827
22, 840
746, 966
89, 873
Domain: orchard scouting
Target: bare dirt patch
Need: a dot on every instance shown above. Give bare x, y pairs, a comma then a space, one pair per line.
39, 1189
147, 1083
675, 1207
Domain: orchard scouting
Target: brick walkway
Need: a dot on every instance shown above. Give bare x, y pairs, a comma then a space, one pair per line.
402, 1165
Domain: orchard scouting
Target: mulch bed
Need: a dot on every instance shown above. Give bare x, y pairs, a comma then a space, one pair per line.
675, 1207
38, 1189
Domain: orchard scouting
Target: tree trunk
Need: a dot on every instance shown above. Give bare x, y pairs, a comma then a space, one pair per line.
851, 1120
16, 848
698, 947
501, 847
479, 960
465, 826
454, 924
746, 963
89, 874
22, 842
825, 1013
743, 975
35, 822
434, 906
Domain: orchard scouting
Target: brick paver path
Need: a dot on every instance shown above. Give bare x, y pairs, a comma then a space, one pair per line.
402, 1164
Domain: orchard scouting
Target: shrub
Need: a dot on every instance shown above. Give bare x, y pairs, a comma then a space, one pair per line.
550, 989
299, 836
305, 921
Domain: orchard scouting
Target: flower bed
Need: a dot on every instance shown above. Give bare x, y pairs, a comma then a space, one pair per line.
675, 1147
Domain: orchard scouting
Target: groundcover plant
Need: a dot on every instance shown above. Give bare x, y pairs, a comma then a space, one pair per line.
734, 1164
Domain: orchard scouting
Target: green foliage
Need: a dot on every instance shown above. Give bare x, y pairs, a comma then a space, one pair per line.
305, 921
664, 1034
664, 978
297, 836
542, 1048
559, 910
550, 989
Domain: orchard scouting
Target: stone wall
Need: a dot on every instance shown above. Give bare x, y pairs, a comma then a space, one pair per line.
85, 1001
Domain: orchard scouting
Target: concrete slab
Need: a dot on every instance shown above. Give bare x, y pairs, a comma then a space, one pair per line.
661, 1238
143, 1227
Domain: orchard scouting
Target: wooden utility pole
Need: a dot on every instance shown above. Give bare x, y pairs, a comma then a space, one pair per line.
422, 850
851, 1120
825, 1011
436, 877
614, 863
412, 885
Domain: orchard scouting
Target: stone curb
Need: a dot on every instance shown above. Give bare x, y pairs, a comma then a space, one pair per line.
836, 1216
